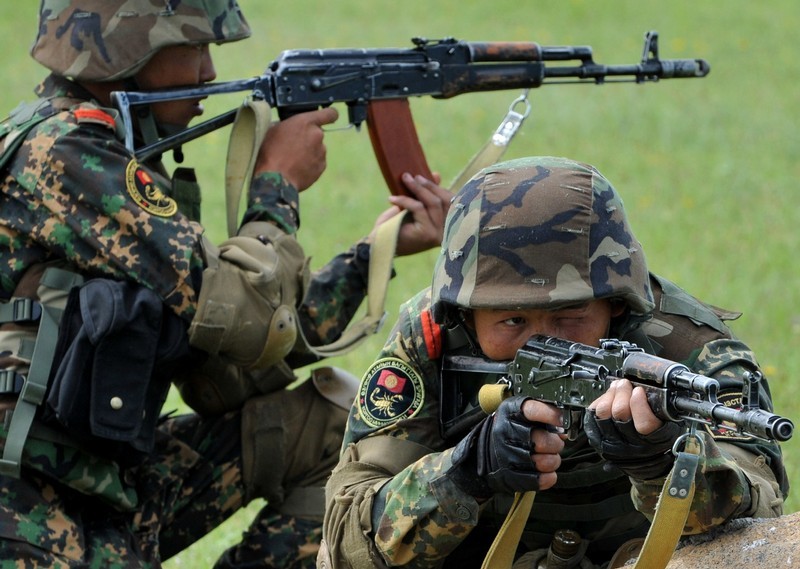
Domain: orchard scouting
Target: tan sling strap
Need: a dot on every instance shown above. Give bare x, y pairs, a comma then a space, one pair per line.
672, 511
673, 506
249, 128
501, 552
495, 147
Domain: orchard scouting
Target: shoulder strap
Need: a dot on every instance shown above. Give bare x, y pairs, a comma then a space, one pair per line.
18, 124
35, 384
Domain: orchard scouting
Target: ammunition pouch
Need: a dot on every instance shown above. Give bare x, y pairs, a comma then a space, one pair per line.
246, 308
118, 346
99, 370
291, 439
217, 386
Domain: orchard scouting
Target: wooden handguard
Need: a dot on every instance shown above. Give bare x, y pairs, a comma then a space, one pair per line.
395, 142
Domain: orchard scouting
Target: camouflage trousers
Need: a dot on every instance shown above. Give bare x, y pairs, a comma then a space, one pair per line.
188, 486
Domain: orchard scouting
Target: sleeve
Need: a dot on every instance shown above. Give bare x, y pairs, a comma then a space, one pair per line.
335, 291
81, 196
389, 499
741, 476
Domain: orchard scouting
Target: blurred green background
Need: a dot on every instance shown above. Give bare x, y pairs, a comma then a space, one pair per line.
708, 168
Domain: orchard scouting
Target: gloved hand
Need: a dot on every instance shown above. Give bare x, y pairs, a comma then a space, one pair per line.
643, 457
497, 455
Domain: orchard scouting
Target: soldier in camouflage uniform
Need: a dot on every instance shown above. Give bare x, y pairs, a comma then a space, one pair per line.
115, 248
533, 246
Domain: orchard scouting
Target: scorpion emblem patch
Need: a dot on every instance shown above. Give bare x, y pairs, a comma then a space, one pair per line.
391, 390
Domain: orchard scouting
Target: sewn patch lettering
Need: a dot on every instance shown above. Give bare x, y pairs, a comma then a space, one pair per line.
391, 390
146, 193
733, 399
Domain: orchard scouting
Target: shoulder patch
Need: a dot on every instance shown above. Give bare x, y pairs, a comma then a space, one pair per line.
146, 193
391, 390
729, 398
95, 116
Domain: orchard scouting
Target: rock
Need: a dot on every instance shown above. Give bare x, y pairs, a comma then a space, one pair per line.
768, 543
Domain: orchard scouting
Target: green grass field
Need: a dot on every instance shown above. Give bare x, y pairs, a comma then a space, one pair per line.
708, 168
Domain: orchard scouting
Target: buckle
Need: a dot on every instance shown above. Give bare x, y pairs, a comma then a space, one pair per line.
11, 382
20, 309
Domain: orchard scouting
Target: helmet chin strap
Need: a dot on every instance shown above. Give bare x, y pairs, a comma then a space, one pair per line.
460, 321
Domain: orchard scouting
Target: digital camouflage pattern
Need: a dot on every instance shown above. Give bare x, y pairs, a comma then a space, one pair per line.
392, 479
91, 40
539, 232
72, 193
188, 486
89, 215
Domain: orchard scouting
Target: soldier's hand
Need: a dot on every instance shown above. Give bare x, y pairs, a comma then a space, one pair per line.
294, 147
516, 449
623, 429
622, 402
428, 209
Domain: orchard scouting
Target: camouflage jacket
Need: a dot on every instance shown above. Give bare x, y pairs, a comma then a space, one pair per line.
73, 191
391, 481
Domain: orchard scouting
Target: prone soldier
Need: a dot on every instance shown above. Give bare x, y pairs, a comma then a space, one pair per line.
538, 245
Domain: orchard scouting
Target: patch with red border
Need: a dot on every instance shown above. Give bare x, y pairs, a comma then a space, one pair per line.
390, 391
145, 192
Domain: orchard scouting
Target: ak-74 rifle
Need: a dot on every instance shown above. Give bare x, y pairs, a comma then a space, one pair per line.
571, 375
375, 84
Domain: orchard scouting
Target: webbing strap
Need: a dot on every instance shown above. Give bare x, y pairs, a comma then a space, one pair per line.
33, 392
672, 509
249, 127
496, 146
501, 553
662, 537
381, 256
34, 388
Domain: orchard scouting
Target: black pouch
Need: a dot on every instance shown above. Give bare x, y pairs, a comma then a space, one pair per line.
117, 348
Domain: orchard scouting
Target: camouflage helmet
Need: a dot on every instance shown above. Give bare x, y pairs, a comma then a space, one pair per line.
538, 232
105, 40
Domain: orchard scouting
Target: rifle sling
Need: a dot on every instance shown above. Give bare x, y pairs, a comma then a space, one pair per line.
398, 150
662, 537
249, 128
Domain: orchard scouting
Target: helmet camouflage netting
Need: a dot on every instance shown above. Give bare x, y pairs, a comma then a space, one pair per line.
538, 232
104, 40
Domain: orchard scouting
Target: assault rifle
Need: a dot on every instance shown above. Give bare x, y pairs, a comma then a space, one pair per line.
571, 375
375, 84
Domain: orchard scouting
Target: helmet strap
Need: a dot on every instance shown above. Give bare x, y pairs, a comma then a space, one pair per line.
459, 321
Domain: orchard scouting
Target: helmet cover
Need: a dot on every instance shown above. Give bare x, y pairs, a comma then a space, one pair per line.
105, 40
538, 232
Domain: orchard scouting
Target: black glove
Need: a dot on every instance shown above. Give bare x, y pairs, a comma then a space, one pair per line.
643, 457
496, 455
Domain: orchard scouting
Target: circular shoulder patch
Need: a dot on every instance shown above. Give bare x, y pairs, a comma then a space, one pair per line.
391, 390
146, 193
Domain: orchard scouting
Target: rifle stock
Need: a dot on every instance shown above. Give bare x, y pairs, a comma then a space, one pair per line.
571, 375
375, 84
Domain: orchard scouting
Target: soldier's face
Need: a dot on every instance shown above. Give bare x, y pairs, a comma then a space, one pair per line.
501, 333
177, 66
